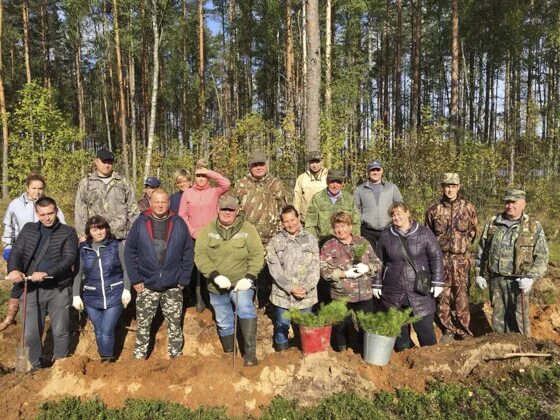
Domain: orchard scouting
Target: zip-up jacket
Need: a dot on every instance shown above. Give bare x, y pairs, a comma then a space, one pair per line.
103, 276
375, 213
141, 260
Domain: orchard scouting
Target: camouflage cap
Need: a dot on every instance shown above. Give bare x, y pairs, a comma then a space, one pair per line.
335, 175
450, 178
315, 155
514, 195
228, 201
257, 157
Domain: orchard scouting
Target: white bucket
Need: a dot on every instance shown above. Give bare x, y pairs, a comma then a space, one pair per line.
378, 348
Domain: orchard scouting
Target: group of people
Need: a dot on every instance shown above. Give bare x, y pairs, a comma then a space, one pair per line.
250, 244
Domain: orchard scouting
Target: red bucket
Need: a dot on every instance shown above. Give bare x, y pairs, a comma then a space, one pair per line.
315, 339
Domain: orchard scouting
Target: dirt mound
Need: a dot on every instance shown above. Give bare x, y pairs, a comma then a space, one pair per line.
206, 376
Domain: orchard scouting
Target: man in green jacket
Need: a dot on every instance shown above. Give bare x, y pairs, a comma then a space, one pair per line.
327, 202
229, 253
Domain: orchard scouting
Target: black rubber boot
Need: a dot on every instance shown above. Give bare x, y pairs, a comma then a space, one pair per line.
227, 343
249, 331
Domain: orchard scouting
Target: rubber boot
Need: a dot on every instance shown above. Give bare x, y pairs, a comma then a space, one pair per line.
200, 305
227, 343
13, 306
249, 331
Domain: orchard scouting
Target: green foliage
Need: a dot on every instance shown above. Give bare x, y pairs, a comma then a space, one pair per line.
4, 297
387, 323
544, 297
359, 250
73, 408
329, 314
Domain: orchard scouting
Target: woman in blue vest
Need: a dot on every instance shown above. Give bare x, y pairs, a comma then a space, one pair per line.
102, 283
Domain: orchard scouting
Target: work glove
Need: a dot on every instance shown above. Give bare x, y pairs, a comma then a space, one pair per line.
377, 293
6, 253
436, 291
222, 282
481, 282
243, 284
352, 274
525, 284
77, 303
361, 268
125, 298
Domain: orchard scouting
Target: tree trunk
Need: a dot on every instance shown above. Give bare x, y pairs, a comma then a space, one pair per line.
398, 73
25, 12
122, 99
3, 113
44, 45
133, 125
201, 81
289, 60
416, 40
313, 90
155, 84
328, 63
79, 82
454, 112
186, 111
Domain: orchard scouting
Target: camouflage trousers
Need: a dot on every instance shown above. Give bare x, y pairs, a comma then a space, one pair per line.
510, 313
147, 302
453, 310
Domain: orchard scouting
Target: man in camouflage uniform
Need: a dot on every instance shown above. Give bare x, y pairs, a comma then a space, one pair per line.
108, 194
309, 183
512, 253
453, 221
261, 197
293, 262
159, 259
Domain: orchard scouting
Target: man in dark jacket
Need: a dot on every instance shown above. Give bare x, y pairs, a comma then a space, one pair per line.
159, 260
46, 251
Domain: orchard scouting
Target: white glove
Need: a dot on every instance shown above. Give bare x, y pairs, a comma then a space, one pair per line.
125, 298
243, 284
352, 273
361, 268
222, 282
377, 293
436, 291
77, 303
525, 284
481, 282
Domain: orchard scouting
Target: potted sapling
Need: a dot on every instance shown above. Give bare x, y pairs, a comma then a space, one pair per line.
381, 330
315, 328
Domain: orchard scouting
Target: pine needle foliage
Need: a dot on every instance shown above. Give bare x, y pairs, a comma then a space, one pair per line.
386, 323
359, 251
329, 314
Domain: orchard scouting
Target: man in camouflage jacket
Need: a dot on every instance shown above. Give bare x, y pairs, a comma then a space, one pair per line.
512, 253
108, 194
261, 196
293, 262
453, 221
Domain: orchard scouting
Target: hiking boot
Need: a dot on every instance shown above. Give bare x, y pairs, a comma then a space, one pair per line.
281, 346
227, 343
249, 331
13, 306
447, 338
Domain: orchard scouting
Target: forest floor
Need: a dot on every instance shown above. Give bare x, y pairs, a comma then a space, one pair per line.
205, 376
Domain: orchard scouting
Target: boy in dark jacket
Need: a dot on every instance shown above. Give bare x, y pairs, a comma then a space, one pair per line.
159, 260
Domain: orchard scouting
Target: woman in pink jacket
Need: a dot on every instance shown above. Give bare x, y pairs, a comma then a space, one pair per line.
198, 207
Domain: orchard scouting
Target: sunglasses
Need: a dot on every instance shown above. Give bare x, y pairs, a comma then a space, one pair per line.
228, 210
375, 170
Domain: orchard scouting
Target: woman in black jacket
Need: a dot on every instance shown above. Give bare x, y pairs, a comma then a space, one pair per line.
395, 282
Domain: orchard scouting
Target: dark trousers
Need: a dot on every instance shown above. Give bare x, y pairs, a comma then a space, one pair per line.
341, 331
372, 235
424, 330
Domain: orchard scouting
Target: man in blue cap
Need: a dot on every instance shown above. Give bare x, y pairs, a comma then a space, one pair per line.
150, 185
373, 199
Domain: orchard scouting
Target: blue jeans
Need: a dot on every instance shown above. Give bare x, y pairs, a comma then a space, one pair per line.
282, 325
223, 304
104, 323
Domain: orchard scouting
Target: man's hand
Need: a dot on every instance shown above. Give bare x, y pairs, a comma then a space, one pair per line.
138, 287
361, 268
38, 276
377, 293
77, 303
15, 276
525, 284
298, 292
243, 285
222, 282
436, 291
481, 282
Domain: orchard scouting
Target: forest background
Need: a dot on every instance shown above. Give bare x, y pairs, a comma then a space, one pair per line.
426, 86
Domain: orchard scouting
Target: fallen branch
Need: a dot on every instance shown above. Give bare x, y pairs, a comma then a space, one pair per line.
513, 355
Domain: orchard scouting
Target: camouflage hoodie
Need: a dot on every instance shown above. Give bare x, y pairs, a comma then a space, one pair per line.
293, 260
261, 200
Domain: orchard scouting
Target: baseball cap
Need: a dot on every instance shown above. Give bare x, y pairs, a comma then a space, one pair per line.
104, 154
335, 175
257, 157
514, 195
314, 155
374, 165
228, 201
450, 178
152, 182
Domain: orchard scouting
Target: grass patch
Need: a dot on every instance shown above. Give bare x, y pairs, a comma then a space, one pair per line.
554, 251
4, 297
529, 395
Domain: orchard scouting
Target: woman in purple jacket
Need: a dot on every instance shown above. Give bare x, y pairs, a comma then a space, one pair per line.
394, 284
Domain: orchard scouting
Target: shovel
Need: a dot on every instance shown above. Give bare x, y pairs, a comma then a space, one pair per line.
22, 351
